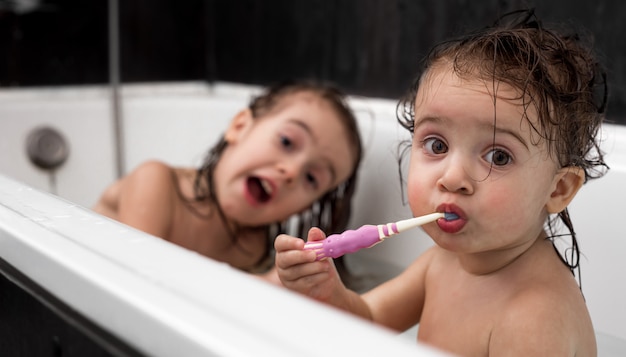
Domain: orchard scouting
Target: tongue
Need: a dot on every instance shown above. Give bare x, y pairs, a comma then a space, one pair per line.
257, 191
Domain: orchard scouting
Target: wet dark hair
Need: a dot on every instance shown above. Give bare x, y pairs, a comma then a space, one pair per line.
556, 73
331, 212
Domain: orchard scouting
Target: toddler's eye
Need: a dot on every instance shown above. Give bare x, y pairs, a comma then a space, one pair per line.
498, 157
435, 146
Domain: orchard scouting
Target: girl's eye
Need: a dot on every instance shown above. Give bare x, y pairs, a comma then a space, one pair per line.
435, 146
498, 157
286, 142
310, 178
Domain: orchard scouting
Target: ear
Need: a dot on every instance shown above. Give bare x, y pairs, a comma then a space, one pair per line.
238, 125
568, 181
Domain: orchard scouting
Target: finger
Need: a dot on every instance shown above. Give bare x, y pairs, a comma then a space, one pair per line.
315, 234
308, 283
285, 243
292, 257
304, 275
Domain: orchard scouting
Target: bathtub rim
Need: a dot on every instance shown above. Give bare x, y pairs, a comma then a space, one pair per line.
37, 227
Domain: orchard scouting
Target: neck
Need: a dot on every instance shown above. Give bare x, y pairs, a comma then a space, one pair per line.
489, 262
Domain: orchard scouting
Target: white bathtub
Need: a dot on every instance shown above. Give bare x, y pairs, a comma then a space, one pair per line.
163, 300
155, 116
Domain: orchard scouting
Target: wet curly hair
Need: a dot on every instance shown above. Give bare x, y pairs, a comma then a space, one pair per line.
556, 73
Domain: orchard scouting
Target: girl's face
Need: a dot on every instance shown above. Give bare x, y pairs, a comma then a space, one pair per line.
280, 163
498, 180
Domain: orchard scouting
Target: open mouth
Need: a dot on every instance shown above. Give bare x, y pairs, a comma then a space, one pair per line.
260, 190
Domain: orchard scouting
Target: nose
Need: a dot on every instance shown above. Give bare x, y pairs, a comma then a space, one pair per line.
289, 170
456, 177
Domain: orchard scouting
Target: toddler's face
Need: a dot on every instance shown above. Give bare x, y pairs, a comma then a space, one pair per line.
497, 179
280, 163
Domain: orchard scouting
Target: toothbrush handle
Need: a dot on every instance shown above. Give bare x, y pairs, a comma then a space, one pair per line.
336, 245
366, 236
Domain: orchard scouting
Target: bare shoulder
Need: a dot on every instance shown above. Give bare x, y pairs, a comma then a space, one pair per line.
151, 170
544, 319
151, 180
149, 177
399, 302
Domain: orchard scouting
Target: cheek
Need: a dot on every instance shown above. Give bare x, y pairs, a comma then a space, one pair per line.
418, 191
513, 206
502, 209
293, 202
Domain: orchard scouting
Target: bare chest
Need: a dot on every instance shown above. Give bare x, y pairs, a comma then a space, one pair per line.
193, 232
207, 235
460, 318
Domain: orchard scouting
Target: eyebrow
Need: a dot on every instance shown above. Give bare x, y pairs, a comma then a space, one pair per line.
486, 125
308, 130
506, 131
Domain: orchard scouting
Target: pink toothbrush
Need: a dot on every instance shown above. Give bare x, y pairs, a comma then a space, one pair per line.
336, 245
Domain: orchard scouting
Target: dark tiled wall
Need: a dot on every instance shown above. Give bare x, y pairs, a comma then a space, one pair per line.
369, 47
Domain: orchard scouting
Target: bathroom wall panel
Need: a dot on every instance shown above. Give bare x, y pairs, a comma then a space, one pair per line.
82, 117
597, 212
180, 124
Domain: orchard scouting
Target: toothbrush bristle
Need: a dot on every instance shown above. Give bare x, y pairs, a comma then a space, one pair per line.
449, 216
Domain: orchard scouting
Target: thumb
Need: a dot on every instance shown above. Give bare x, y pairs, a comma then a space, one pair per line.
315, 234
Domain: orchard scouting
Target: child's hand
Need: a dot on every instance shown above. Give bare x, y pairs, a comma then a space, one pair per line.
299, 271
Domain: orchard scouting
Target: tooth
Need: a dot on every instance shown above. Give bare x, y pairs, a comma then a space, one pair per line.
267, 187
